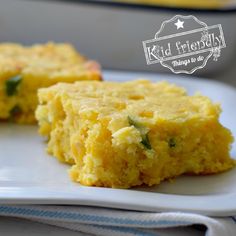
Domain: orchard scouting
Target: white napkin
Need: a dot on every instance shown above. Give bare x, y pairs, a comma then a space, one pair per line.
105, 221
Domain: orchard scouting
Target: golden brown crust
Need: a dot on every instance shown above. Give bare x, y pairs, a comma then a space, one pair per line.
38, 66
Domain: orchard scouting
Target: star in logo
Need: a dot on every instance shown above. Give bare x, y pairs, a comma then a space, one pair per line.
179, 24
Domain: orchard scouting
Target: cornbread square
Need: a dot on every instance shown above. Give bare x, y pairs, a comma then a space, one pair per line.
212, 4
25, 69
127, 134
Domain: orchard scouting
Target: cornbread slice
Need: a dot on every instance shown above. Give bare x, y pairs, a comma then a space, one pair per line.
128, 134
25, 69
209, 4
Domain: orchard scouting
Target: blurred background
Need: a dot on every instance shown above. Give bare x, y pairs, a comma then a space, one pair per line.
112, 31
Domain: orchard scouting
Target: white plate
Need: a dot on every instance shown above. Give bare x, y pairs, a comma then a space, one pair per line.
28, 175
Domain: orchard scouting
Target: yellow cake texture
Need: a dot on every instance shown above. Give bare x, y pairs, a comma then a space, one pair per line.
132, 133
25, 69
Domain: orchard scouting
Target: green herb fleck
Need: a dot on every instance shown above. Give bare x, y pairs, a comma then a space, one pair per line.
12, 84
16, 110
145, 140
172, 143
132, 122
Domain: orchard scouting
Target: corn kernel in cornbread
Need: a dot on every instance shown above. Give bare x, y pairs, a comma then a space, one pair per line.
25, 69
128, 134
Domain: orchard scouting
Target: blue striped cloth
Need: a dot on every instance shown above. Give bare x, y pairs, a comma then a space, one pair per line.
104, 221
